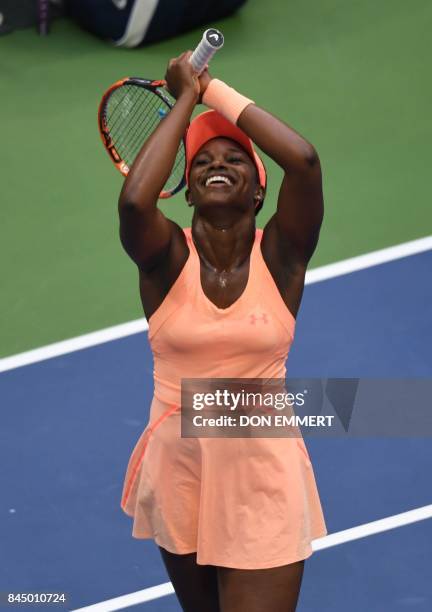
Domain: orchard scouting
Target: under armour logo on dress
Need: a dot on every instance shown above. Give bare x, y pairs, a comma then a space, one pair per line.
253, 319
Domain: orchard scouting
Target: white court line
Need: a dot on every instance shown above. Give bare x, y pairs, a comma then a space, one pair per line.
353, 264
334, 539
361, 262
73, 344
368, 529
132, 599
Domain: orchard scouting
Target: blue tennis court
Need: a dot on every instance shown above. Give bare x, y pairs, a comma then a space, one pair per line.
70, 423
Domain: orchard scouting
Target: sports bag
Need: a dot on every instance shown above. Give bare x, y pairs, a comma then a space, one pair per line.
131, 23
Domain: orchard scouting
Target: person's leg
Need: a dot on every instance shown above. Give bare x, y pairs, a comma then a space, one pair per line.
267, 590
196, 586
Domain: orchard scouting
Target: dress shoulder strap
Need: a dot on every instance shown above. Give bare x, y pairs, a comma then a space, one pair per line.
269, 289
179, 292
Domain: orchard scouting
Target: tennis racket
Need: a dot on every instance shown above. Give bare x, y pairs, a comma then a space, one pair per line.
131, 109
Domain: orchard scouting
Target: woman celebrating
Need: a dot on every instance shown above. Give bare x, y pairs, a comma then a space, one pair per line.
233, 517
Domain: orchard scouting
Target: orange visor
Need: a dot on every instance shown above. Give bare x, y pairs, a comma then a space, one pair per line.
211, 124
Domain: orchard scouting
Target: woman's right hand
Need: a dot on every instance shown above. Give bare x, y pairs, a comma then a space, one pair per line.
181, 78
204, 80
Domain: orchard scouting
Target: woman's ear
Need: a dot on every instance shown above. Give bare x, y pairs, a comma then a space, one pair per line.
259, 195
187, 198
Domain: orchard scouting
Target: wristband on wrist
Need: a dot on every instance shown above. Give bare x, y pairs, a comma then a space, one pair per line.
225, 100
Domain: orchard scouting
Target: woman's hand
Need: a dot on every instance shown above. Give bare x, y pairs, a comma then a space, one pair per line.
181, 78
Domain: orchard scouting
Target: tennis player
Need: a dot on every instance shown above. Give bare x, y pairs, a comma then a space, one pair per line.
233, 517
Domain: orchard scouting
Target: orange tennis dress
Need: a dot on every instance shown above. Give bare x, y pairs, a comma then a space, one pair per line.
247, 503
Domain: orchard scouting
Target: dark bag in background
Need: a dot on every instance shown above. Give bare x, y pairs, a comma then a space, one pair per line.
17, 14
130, 23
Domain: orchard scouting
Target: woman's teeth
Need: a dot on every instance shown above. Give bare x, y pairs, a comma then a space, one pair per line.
218, 179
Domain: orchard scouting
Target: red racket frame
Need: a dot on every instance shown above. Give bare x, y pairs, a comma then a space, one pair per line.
117, 160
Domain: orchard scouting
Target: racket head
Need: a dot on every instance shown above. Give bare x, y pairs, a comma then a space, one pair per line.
129, 112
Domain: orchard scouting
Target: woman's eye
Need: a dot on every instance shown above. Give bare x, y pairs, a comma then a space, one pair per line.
233, 160
200, 162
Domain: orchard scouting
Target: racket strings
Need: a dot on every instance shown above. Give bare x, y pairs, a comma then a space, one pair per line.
142, 112
144, 128
132, 115
119, 115
127, 111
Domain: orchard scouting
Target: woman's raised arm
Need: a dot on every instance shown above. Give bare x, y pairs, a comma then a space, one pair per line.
144, 231
297, 221
299, 214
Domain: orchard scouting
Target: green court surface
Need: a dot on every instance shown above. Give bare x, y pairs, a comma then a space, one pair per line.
352, 77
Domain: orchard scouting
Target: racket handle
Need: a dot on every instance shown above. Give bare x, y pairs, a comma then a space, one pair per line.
211, 42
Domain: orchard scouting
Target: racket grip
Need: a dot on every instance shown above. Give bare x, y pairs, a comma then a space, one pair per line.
211, 42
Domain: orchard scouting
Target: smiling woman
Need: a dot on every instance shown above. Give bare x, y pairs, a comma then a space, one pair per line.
211, 139
233, 517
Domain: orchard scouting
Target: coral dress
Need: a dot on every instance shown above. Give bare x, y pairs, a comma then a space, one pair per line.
247, 503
